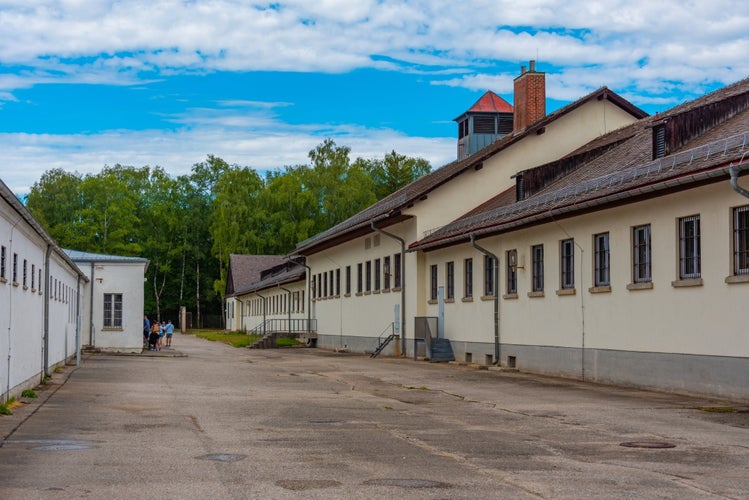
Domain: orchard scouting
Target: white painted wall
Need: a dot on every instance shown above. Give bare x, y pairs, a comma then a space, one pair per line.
700, 320
124, 278
22, 306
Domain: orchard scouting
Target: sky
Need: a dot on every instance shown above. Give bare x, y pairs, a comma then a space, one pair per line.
90, 83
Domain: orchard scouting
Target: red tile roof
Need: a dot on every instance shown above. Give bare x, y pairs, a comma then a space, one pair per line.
490, 103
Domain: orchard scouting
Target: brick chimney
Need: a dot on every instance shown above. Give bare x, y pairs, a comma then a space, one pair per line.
530, 97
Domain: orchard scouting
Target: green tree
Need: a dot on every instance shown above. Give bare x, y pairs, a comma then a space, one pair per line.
235, 194
56, 202
394, 172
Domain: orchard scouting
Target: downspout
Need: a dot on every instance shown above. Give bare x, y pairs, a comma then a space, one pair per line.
78, 322
734, 182
309, 295
403, 281
46, 311
496, 296
91, 309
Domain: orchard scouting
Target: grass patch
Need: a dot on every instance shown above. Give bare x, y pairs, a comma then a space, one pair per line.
287, 342
236, 339
716, 409
5, 407
29, 393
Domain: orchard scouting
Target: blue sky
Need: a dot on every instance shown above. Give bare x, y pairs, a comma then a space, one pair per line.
88, 83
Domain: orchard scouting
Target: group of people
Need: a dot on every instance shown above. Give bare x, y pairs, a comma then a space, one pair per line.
153, 334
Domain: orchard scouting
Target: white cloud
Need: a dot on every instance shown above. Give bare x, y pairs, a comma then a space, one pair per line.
100, 37
255, 140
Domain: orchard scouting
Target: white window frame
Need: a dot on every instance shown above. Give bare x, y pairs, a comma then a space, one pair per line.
112, 311
690, 254
741, 240
567, 264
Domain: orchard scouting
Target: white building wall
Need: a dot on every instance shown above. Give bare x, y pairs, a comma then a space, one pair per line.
124, 278
691, 338
22, 303
252, 309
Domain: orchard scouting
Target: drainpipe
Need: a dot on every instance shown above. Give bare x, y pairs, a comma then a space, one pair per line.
309, 295
46, 310
403, 282
734, 182
78, 322
91, 308
496, 296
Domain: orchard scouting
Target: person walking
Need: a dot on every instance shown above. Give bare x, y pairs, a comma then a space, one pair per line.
169, 333
146, 329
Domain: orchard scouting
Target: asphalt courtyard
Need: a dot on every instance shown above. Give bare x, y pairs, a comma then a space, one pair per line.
222, 422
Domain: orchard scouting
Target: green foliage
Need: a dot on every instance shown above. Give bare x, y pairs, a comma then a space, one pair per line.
29, 393
5, 407
236, 339
189, 225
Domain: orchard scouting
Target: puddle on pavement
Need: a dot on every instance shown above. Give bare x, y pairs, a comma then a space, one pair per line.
222, 457
407, 483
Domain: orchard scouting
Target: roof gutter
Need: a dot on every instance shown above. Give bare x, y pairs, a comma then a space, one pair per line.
496, 296
403, 281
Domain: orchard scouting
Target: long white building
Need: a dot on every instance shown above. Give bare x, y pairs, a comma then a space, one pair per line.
45, 299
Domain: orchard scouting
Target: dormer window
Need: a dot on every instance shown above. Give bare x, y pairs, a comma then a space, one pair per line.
659, 141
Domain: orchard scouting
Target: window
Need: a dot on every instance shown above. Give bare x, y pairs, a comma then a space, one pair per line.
15, 268
359, 278
324, 284
489, 264
112, 310
537, 253
2, 262
741, 240
641, 254
338, 281
33, 276
386, 271
567, 255
330, 278
468, 278
348, 280
512, 272
689, 247
368, 270
450, 279
601, 271
433, 282
25, 273
397, 270
377, 274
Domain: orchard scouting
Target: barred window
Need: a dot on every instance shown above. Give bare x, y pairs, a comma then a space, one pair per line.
468, 278
601, 271
567, 256
537, 253
433, 282
741, 240
450, 279
641, 254
690, 258
512, 271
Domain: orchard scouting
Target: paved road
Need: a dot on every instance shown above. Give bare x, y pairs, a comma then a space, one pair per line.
305, 423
